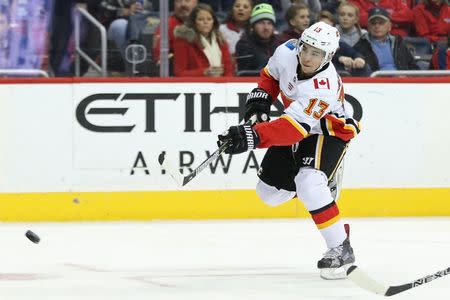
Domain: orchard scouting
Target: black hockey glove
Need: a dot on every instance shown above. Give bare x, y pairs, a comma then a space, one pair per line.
241, 138
258, 105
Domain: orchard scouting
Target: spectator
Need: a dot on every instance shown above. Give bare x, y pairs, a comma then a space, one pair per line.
237, 23
254, 50
331, 5
297, 17
199, 48
276, 4
313, 5
59, 36
346, 60
182, 10
327, 17
400, 14
117, 14
441, 56
383, 51
349, 28
432, 19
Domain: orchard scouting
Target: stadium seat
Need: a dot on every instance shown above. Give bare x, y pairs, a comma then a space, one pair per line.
420, 49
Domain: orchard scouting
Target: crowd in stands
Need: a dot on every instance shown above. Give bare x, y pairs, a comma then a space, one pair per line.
237, 37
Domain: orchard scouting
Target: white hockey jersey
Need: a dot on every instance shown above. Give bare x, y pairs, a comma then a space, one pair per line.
312, 106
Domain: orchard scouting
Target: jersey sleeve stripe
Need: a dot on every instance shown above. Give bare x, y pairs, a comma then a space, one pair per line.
267, 73
355, 124
347, 122
297, 125
345, 129
269, 84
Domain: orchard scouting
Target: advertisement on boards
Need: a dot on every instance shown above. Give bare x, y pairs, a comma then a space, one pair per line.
108, 136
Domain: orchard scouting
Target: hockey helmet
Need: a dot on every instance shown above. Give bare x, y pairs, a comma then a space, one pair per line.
322, 36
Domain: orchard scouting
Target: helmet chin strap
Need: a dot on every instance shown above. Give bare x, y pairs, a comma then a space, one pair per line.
324, 62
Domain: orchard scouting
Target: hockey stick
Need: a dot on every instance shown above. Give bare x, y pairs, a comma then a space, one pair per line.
366, 282
180, 178
183, 180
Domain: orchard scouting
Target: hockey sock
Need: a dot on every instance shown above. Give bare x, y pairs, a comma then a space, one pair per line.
330, 225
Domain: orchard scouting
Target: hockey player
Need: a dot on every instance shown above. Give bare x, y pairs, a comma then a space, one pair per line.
307, 143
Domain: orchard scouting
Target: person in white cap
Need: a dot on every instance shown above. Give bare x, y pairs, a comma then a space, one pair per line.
308, 142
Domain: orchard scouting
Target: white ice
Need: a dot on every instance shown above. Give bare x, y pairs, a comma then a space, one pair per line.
199, 260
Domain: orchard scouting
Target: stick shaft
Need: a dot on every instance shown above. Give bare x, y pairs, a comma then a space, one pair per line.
366, 282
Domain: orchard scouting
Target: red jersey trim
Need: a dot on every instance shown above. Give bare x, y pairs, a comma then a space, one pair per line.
339, 128
268, 84
286, 100
297, 126
281, 132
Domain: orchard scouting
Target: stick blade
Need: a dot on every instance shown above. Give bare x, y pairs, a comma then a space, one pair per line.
364, 281
174, 172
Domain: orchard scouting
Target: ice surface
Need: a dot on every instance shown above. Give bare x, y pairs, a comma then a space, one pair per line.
199, 260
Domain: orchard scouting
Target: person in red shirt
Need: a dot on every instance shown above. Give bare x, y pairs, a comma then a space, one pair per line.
237, 23
181, 11
432, 19
199, 48
400, 14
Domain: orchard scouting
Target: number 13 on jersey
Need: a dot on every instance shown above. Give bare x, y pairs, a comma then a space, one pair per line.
316, 109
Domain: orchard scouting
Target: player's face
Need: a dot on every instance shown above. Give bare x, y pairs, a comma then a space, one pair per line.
379, 28
347, 17
301, 20
242, 9
264, 29
204, 22
310, 58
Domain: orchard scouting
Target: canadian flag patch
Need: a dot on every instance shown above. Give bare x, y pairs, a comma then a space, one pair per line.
321, 83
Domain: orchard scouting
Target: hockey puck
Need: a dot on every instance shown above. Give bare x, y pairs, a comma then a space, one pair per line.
32, 236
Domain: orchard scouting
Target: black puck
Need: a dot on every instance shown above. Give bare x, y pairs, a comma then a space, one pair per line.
32, 236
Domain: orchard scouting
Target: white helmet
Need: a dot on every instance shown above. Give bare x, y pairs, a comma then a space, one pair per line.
322, 36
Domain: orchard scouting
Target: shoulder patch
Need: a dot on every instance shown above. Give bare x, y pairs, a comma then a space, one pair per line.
291, 44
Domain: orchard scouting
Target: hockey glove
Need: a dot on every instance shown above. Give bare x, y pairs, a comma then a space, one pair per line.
240, 138
258, 105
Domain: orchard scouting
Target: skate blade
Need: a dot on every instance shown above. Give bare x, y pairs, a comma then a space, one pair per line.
335, 273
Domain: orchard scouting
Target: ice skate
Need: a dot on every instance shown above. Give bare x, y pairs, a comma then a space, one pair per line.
336, 261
